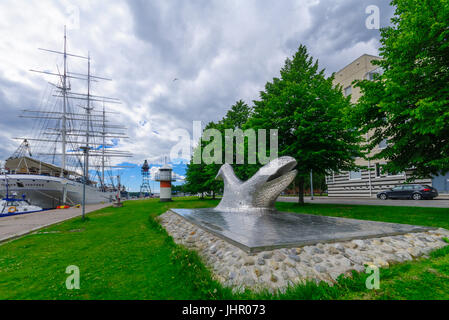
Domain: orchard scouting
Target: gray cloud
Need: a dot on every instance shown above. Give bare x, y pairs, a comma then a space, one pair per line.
338, 26
14, 96
182, 34
220, 52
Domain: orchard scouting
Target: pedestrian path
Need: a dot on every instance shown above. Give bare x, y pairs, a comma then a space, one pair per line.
439, 202
15, 226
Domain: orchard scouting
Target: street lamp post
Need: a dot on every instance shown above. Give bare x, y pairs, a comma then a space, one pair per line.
311, 185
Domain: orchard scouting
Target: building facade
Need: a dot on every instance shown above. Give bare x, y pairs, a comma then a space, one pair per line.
369, 181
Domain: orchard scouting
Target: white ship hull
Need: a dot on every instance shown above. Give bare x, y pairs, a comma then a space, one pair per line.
48, 192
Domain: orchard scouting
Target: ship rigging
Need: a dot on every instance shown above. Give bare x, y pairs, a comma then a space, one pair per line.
65, 130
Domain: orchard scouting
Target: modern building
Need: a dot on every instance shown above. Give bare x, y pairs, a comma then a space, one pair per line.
366, 183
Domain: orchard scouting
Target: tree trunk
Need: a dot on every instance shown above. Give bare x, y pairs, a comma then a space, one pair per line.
213, 194
301, 190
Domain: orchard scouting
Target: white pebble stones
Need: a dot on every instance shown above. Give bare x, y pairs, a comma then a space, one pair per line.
279, 268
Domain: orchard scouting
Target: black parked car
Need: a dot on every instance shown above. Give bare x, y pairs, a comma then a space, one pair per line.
409, 191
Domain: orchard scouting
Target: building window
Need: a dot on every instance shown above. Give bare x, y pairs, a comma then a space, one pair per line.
370, 75
330, 178
395, 174
377, 169
390, 174
383, 144
348, 91
354, 175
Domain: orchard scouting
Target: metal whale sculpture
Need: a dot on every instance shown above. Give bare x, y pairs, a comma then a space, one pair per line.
259, 193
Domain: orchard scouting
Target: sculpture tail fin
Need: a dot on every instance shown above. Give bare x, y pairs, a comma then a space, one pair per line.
226, 173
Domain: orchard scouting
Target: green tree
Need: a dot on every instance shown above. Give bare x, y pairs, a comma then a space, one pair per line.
311, 116
177, 188
200, 178
319, 183
195, 179
237, 118
408, 105
210, 170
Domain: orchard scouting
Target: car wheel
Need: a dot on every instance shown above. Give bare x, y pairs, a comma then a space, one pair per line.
383, 196
416, 196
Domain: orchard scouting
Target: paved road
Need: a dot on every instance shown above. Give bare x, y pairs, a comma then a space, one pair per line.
15, 226
436, 203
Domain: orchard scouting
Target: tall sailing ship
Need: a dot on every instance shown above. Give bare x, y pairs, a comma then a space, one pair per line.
75, 141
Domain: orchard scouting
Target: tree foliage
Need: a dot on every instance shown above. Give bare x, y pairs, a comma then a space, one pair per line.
409, 103
311, 116
200, 178
312, 119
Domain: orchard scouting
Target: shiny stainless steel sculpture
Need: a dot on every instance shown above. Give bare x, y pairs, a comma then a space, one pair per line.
260, 192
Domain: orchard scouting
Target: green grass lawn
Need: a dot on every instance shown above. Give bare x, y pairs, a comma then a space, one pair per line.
122, 253
434, 217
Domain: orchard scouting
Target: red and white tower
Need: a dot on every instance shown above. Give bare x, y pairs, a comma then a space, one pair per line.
164, 175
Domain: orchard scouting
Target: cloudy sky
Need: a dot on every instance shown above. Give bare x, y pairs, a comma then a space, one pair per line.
219, 52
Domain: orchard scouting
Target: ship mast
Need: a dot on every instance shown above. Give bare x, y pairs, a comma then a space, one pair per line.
88, 109
103, 133
70, 123
64, 112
